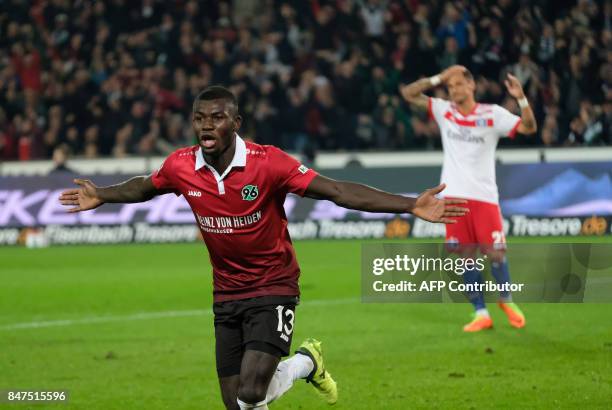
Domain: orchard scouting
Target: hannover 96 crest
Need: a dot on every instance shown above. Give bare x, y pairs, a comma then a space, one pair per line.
250, 192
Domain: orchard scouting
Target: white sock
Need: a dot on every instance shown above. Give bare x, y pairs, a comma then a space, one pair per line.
482, 312
297, 367
262, 405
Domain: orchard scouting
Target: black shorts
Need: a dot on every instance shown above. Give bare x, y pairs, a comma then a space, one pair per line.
263, 323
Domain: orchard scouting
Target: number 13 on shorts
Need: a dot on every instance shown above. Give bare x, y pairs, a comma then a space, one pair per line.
285, 321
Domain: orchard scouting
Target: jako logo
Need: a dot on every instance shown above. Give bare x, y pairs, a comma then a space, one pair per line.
194, 193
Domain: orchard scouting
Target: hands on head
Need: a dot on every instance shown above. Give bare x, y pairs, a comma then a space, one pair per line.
451, 71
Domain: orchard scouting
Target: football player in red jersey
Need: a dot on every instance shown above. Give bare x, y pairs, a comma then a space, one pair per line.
236, 190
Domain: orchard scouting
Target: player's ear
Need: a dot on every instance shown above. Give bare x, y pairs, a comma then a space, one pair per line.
237, 122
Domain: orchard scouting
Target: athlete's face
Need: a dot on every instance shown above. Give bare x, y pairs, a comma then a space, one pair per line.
214, 123
460, 89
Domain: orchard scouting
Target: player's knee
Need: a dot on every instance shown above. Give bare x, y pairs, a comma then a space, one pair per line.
496, 256
467, 251
252, 392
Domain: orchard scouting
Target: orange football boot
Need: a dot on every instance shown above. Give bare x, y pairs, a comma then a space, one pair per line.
515, 315
480, 322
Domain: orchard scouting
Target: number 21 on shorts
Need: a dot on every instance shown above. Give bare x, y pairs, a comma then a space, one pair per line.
499, 239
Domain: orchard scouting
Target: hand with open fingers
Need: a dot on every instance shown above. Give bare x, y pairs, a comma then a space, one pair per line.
433, 209
515, 89
83, 198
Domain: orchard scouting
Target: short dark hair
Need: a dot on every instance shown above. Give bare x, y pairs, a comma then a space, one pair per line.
216, 92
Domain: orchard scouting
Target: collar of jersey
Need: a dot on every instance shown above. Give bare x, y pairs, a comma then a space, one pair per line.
239, 159
469, 113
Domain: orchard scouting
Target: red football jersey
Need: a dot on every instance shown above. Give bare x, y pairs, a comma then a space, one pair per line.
241, 216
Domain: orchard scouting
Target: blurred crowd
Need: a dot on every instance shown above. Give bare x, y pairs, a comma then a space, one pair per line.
118, 77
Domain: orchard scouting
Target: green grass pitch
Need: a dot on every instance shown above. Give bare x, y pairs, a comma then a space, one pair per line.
137, 333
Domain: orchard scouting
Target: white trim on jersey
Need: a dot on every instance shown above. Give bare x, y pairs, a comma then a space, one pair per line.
239, 160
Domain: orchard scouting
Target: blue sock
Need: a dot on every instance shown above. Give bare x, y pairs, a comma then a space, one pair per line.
475, 298
500, 272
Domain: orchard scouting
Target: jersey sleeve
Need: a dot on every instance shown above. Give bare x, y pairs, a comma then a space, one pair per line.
506, 123
163, 177
436, 108
289, 173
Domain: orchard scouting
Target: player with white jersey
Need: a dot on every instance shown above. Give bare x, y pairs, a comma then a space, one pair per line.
470, 132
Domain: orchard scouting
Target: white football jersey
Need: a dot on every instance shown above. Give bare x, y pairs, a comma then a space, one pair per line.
469, 143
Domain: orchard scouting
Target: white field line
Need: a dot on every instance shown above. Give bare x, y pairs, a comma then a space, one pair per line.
149, 315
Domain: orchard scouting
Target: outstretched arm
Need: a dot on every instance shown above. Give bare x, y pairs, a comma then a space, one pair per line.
528, 123
89, 196
364, 198
413, 93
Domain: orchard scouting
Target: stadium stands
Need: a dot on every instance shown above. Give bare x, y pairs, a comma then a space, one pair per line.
116, 77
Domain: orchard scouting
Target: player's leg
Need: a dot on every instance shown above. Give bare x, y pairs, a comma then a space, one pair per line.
229, 351
229, 356
263, 378
268, 329
490, 232
460, 239
481, 319
306, 364
229, 391
299, 366
258, 368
